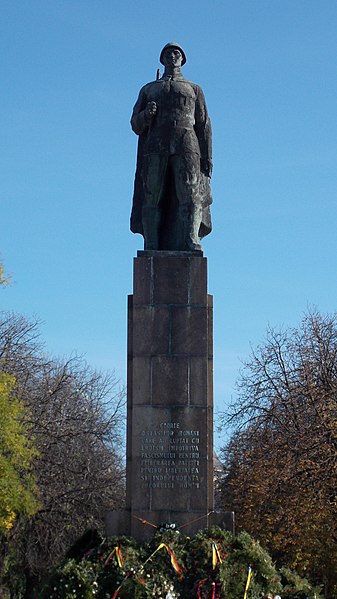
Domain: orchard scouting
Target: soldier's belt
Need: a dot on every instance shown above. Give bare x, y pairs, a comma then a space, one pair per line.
176, 123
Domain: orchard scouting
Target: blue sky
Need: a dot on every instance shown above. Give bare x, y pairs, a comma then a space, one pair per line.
70, 73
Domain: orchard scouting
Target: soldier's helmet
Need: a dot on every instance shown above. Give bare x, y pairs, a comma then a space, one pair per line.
172, 45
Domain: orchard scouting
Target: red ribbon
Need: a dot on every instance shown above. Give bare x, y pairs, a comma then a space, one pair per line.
201, 584
215, 587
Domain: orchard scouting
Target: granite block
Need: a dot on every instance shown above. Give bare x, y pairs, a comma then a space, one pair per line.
189, 330
198, 281
142, 281
170, 380
141, 380
150, 330
170, 280
199, 380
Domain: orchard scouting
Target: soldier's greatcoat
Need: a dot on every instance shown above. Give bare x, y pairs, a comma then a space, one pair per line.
181, 126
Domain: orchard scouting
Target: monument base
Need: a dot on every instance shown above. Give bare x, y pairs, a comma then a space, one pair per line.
143, 525
170, 460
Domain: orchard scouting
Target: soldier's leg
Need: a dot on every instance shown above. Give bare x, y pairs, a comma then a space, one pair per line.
186, 170
153, 175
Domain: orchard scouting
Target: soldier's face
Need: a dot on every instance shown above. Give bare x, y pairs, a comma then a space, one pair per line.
172, 57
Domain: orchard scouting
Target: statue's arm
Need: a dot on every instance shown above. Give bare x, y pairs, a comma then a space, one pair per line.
203, 131
140, 118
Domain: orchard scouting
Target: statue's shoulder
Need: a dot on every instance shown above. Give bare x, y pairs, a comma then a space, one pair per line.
195, 86
147, 86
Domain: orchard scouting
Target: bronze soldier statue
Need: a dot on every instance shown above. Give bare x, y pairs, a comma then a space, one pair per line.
172, 197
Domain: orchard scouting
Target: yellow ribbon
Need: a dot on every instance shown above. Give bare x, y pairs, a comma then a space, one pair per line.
119, 557
171, 554
161, 546
249, 577
216, 557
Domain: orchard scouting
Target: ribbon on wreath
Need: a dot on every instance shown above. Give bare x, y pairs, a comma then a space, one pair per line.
214, 588
116, 551
174, 562
200, 585
216, 557
249, 578
120, 586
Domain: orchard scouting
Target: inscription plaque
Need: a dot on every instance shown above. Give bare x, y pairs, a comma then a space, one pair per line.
170, 457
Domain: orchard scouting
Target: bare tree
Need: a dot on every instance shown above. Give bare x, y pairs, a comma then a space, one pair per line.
76, 419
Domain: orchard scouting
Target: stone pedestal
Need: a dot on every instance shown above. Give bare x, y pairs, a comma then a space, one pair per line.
170, 398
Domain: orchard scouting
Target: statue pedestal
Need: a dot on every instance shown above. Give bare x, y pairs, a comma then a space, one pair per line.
169, 466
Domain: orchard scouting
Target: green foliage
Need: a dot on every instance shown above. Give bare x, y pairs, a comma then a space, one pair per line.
17, 485
236, 554
198, 562
296, 587
74, 580
111, 575
146, 570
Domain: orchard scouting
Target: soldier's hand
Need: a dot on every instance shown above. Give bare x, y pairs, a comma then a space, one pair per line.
206, 167
150, 110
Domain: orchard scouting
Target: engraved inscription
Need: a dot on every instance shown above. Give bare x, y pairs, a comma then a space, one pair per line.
170, 457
